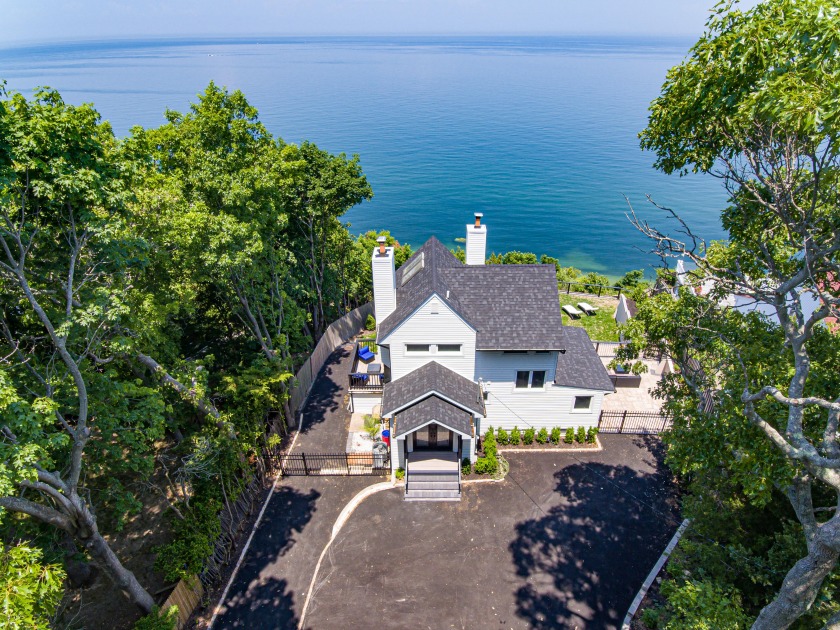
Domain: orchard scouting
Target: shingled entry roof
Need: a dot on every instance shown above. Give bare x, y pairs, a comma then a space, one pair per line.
433, 409
511, 307
427, 380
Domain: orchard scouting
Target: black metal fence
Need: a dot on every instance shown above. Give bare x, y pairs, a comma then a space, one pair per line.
583, 288
643, 422
341, 464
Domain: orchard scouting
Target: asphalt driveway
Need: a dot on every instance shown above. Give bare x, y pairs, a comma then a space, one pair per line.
564, 542
271, 585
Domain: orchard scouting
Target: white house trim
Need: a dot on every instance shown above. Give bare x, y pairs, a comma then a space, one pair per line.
442, 423
433, 296
433, 392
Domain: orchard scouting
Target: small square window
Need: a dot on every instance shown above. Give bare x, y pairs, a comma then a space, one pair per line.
449, 347
417, 347
538, 378
522, 379
583, 402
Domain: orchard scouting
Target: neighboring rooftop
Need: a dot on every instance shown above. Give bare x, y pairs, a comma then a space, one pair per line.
430, 379
511, 307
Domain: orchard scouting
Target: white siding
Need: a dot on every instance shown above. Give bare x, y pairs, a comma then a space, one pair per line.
364, 403
548, 407
433, 323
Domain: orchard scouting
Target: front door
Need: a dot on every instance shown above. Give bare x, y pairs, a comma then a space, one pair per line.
433, 438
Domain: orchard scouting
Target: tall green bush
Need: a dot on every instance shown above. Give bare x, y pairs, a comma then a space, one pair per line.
591, 435
542, 436
528, 436
580, 437
502, 436
515, 437
556, 435
570, 436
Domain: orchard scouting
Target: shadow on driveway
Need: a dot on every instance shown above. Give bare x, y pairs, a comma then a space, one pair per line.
324, 427
580, 561
564, 542
258, 596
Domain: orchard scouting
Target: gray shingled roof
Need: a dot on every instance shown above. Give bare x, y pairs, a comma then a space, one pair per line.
511, 307
429, 379
580, 365
433, 408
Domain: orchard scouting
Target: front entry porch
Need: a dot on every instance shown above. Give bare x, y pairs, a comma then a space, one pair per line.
432, 476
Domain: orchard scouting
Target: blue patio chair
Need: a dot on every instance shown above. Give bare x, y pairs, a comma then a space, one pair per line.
361, 377
365, 354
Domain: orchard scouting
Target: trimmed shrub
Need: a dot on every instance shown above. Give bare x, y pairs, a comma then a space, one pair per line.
486, 465
591, 434
570, 436
542, 436
370, 323
489, 444
555, 435
528, 436
515, 437
502, 436
466, 466
400, 473
580, 438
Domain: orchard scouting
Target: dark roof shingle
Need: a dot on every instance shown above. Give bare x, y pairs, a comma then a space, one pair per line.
580, 366
429, 379
433, 408
511, 307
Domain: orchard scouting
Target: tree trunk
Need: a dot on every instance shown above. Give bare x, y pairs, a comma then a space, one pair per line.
100, 551
800, 586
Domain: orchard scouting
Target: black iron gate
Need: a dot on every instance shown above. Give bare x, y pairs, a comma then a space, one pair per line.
343, 464
633, 422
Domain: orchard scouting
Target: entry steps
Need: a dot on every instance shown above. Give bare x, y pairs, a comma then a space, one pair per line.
432, 486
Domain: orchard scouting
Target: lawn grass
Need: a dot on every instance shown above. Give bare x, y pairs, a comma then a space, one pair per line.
601, 326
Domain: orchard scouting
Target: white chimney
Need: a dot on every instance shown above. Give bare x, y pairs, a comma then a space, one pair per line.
384, 281
476, 241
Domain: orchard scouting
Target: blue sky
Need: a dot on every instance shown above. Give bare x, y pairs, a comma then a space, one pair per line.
50, 20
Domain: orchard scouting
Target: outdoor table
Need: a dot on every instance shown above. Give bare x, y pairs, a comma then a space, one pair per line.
374, 368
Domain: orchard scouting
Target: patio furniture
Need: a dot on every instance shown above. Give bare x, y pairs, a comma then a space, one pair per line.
572, 311
365, 354
587, 308
361, 377
374, 368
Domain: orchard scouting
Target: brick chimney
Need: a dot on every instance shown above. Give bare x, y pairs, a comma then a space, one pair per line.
476, 241
384, 281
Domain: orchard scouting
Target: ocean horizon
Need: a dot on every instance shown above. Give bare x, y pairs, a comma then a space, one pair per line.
537, 132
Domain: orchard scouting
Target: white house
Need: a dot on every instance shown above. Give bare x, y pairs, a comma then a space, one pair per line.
466, 346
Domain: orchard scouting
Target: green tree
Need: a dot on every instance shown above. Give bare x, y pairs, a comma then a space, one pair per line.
756, 103
30, 590
66, 263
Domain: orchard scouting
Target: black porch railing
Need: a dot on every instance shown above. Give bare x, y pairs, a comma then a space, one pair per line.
340, 464
362, 382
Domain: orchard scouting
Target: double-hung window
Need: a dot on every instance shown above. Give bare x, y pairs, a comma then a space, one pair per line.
530, 379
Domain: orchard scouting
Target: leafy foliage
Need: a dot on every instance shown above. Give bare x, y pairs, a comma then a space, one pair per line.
30, 589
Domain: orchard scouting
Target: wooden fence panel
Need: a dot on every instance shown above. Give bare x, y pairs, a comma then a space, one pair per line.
186, 597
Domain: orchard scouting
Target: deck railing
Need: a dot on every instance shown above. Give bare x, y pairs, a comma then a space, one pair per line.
369, 343
362, 382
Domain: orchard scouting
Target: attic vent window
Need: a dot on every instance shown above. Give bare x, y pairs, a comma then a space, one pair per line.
412, 268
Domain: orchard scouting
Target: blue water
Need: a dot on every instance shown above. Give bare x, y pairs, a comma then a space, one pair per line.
539, 133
